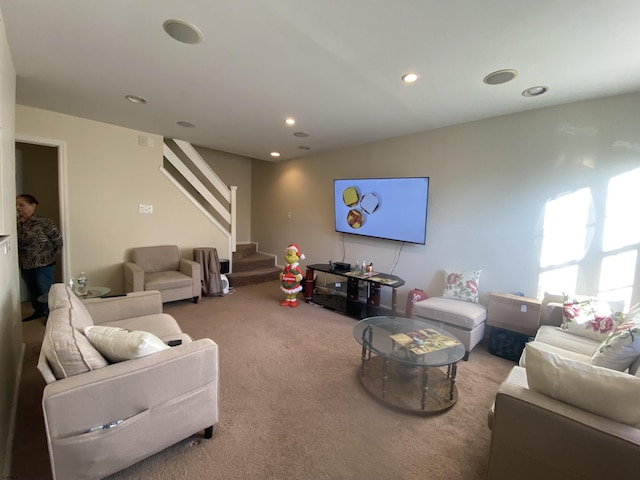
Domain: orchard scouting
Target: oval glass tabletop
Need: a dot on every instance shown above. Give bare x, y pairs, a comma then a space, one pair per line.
410, 341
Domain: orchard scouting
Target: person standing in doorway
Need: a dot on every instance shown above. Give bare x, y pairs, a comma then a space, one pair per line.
39, 241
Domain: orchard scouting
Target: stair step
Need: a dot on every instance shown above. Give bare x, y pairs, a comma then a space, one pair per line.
253, 262
260, 275
244, 250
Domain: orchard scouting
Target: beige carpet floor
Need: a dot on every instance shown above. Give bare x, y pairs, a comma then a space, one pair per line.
291, 404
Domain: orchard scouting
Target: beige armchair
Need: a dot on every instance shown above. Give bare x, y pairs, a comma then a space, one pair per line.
161, 268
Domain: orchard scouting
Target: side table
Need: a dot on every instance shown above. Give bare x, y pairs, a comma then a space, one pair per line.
92, 292
513, 312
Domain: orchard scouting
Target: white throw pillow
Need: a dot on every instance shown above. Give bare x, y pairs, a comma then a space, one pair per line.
589, 317
117, 344
621, 347
602, 391
462, 285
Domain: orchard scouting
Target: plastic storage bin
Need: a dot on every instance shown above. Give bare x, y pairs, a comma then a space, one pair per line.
507, 344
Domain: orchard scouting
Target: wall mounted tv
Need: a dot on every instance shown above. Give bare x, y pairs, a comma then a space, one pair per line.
388, 208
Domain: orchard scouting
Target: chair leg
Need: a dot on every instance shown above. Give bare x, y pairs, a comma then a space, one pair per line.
208, 432
195, 299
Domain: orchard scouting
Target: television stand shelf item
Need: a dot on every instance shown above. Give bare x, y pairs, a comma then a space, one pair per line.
354, 304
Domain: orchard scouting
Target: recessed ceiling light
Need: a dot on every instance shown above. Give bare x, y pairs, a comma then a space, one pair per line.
182, 31
301, 134
500, 76
409, 77
182, 123
290, 121
275, 154
136, 99
535, 91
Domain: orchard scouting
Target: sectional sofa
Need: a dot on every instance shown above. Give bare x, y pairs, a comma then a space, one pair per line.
571, 408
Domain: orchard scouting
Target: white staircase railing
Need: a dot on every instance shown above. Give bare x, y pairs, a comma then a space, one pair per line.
225, 212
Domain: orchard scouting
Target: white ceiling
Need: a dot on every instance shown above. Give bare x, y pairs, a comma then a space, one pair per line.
334, 65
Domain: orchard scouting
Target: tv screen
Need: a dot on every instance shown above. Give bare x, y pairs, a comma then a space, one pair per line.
389, 208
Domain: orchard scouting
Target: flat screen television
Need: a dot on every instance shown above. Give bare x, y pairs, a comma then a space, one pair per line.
388, 208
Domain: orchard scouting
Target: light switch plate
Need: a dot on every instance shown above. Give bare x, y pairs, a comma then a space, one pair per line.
142, 208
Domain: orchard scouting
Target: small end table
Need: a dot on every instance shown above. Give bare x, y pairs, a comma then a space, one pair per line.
92, 292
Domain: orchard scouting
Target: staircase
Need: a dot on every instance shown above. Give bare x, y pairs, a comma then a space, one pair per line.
251, 267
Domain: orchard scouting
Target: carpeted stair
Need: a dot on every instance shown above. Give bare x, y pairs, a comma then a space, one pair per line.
250, 267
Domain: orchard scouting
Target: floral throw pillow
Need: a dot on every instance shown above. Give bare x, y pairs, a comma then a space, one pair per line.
589, 317
621, 347
462, 285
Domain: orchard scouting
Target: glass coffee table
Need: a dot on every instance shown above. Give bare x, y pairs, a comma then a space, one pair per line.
409, 364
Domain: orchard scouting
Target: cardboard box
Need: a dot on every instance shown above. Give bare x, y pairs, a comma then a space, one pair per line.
514, 313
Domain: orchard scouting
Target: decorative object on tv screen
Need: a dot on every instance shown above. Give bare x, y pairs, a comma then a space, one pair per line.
388, 208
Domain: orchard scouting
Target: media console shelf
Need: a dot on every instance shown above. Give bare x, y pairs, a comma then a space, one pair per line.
353, 304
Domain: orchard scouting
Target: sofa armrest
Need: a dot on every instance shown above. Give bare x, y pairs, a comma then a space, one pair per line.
124, 390
535, 436
192, 269
135, 304
133, 277
102, 421
551, 314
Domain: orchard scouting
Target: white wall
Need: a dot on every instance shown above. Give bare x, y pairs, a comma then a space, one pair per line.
107, 176
489, 182
10, 322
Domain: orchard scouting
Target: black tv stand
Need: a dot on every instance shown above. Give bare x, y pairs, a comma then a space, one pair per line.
354, 304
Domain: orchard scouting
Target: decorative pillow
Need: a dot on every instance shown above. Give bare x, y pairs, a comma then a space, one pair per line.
118, 344
67, 350
462, 286
589, 317
602, 391
621, 347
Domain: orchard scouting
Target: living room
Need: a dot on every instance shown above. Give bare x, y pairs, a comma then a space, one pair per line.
491, 181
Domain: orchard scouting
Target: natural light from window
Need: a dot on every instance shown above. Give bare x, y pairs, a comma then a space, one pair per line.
564, 230
569, 228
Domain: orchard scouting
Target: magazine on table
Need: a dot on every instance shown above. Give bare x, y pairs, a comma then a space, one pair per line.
424, 341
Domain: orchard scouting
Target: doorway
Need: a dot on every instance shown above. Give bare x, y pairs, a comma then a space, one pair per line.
39, 164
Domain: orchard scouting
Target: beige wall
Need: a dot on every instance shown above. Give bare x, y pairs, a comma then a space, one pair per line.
10, 322
107, 175
490, 181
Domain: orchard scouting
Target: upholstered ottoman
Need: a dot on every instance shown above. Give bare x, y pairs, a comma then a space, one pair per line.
465, 320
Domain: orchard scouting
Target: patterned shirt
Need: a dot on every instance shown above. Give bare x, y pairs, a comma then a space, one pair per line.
38, 242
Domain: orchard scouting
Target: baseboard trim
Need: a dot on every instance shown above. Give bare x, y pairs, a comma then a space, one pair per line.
12, 420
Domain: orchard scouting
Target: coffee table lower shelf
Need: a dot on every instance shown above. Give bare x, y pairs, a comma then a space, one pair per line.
403, 386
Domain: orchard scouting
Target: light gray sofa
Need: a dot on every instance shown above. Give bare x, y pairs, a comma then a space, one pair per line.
537, 436
101, 417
